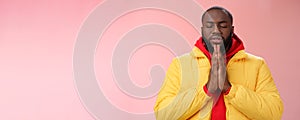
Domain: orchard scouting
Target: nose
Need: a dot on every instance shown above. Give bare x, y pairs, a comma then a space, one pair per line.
216, 30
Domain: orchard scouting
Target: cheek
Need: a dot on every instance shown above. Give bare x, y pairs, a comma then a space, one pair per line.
226, 33
206, 33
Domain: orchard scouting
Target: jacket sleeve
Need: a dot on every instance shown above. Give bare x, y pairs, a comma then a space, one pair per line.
174, 104
264, 103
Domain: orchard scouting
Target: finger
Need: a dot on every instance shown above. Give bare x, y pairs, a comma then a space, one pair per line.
221, 74
220, 56
217, 49
222, 60
220, 71
213, 78
214, 59
220, 79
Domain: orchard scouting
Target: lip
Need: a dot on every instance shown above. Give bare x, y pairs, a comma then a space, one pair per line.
216, 39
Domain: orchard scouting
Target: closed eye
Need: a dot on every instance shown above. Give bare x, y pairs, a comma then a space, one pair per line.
208, 25
223, 25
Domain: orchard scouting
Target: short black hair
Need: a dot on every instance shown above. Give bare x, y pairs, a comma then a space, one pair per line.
219, 8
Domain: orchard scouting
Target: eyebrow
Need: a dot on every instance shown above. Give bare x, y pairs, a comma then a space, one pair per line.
218, 22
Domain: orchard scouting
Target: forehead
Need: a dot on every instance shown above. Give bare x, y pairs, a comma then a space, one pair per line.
216, 16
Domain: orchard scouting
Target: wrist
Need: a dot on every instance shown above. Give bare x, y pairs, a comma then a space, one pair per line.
226, 89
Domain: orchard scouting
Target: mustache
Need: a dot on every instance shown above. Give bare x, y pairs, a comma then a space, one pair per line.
216, 37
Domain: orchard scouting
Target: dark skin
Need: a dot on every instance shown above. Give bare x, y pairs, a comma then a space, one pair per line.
216, 26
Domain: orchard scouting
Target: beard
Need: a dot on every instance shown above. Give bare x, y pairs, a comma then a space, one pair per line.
225, 46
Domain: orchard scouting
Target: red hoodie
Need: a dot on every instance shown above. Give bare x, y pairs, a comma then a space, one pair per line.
219, 108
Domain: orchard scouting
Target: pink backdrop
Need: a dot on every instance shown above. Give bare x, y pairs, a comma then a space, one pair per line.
37, 40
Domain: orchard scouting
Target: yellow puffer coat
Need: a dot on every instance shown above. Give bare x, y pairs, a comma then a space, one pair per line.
253, 95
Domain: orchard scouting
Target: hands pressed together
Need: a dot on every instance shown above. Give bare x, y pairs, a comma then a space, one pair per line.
218, 81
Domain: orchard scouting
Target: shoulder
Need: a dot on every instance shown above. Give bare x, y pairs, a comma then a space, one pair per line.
252, 56
185, 56
185, 59
193, 54
257, 60
182, 60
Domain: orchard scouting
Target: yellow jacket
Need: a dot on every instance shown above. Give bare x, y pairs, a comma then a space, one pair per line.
253, 94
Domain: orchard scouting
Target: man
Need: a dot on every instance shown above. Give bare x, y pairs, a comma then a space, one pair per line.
218, 80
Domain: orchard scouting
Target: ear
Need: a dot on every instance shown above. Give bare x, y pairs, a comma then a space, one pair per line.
232, 29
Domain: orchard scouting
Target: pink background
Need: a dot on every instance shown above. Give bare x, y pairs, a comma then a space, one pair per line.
37, 40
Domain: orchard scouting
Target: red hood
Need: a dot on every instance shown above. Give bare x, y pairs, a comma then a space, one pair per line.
237, 45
